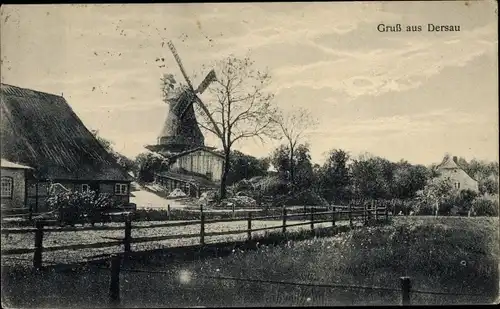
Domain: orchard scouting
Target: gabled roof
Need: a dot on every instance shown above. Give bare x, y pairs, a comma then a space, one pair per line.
7, 164
41, 130
448, 163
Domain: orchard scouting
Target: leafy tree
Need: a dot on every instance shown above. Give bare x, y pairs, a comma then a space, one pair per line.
302, 165
488, 185
372, 177
465, 199
245, 167
334, 178
408, 179
241, 107
486, 206
438, 194
105, 143
147, 164
281, 162
126, 163
293, 126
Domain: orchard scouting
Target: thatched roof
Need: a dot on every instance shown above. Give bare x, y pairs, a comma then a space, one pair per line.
42, 131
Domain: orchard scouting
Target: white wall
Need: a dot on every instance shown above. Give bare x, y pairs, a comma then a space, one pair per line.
201, 162
18, 188
460, 176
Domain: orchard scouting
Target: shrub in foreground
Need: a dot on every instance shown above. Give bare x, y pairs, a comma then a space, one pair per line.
486, 206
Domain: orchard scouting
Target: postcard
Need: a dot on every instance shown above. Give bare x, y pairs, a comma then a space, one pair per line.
249, 154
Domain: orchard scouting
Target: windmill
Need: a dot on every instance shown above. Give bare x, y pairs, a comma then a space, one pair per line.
181, 131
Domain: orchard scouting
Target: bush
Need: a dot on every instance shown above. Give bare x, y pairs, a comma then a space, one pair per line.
485, 206
272, 185
424, 209
307, 197
70, 207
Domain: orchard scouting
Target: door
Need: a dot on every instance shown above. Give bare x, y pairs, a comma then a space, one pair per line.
94, 186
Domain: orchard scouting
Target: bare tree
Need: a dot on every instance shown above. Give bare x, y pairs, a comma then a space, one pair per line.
293, 126
240, 107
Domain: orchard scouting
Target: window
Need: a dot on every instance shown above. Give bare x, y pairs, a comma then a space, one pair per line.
121, 189
85, 187
7, 183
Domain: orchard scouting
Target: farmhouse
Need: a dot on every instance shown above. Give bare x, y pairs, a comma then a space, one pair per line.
42, 134
449, 169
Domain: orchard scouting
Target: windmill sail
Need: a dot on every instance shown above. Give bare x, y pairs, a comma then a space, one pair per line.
181, 130
208, 79
179, 62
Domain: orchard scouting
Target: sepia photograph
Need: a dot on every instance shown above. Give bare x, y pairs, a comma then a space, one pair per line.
170, 155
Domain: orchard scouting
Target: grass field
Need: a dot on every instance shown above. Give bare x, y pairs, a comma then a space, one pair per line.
458, 255
52, 239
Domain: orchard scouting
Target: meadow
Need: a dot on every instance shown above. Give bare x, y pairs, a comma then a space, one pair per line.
444, 254
53, 239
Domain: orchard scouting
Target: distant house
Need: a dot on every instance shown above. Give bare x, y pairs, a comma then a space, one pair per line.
13, 184
40, 130
449, 169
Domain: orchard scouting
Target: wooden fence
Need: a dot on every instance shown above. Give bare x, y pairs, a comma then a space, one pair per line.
311, 216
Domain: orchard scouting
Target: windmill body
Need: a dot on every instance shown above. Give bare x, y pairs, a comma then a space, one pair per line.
192, 166
180, 131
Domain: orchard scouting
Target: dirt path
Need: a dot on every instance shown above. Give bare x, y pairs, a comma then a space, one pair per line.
146, 199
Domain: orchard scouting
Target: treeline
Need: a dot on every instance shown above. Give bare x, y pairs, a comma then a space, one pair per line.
342, 178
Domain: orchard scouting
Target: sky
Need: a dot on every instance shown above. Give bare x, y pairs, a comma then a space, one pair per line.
399, 95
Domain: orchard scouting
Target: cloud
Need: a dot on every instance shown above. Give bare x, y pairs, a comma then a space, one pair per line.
389, 69
398, 124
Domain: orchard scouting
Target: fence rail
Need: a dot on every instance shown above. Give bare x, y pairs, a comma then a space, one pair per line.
309, 215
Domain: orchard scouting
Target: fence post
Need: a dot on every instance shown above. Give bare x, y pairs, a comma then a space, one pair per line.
365, 213
37, 257
128, 233
168, 212
30, 216
386, 213
202, 228
114, 282
284, 219
249, 226
312, 218
305, 212
333, 215
376, 211
405, 290
349, 213
232, 205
